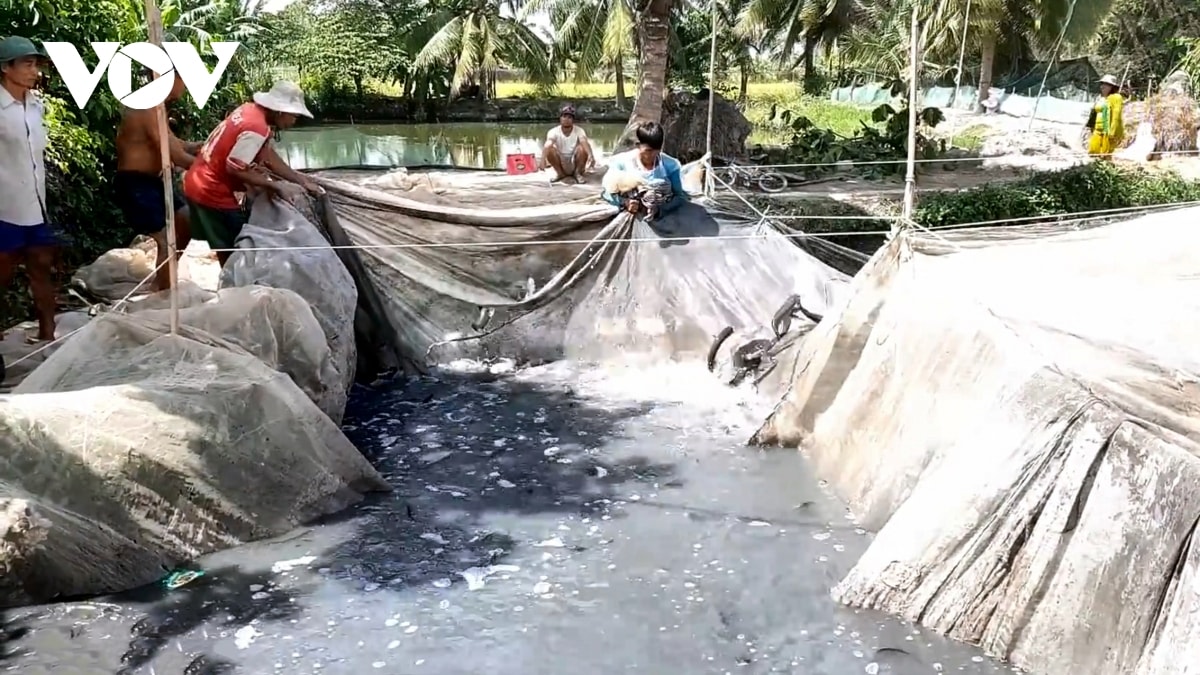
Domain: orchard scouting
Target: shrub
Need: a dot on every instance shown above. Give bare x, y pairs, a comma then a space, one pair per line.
1093, 187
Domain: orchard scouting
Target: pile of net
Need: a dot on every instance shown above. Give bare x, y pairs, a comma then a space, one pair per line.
685, 120
1027, 446
552, 281
1172, 117
130, 450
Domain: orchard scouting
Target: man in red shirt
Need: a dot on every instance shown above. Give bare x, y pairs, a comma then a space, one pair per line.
233, 160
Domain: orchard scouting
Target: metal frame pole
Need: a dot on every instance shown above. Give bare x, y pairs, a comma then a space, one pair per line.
910, 175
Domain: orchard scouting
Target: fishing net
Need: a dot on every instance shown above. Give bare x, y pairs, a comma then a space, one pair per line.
549, 281
1027, 446
130, 450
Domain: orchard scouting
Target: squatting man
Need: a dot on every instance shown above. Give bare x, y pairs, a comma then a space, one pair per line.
567, 148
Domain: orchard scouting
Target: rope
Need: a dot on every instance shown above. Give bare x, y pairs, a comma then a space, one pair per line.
117, 305
759, 213
946, 160
537, 242
1053, 58
935, 231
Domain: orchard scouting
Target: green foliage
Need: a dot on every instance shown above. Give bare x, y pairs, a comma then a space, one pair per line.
1093, 187
1150, 38
81, 155
885, 139
78, 164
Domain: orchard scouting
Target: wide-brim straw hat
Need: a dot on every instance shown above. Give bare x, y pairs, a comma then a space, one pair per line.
284, 97
1110, 80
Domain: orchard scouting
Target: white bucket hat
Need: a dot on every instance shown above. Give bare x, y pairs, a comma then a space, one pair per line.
1110, 80
284, 97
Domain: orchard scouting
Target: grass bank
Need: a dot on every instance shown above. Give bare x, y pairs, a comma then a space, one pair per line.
764, 100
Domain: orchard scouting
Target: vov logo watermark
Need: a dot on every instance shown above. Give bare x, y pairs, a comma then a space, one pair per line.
174, 59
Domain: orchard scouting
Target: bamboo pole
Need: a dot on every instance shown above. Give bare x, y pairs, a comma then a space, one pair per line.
154, 27
910, 174
962, 52
709, 182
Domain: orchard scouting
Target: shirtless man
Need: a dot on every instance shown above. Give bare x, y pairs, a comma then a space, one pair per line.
567, 149
139, 184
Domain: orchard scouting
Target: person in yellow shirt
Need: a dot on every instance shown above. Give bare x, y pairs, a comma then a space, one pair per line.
1107, 122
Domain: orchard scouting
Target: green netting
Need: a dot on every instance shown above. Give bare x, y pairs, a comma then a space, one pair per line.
943, 97
865, 95
1066, 78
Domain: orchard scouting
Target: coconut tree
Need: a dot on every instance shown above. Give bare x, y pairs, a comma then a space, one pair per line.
475, 40
804, 23
594, 34
1043, 25
875, 28
653, 21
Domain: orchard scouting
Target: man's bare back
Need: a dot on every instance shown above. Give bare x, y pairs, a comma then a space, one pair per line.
138, 183
137, 143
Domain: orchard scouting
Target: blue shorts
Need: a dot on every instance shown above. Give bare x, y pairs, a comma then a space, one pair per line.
141, 199
18, 238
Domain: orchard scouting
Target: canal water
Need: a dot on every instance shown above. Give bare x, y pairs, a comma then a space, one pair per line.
465, 144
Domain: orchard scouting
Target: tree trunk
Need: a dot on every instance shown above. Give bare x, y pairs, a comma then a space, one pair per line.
620, 74
653, 32
987, 59
810, 66
744, 81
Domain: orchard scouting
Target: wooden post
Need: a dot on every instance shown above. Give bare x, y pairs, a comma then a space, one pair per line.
154, 27
910, 175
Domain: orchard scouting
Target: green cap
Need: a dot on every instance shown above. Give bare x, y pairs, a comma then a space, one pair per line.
16, 47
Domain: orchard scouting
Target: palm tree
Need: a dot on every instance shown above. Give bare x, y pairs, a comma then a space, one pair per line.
807, 23
595, 34
992, 24
654, 44
877, 31
476, 40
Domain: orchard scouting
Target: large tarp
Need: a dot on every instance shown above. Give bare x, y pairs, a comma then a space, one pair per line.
1067, 105
1015, 412
557, 280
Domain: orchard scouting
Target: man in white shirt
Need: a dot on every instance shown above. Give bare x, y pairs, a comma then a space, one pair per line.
567, 149
25, 236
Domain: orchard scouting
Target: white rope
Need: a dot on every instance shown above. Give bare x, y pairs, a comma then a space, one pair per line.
1075, 216
937, 160
1061, 217
935, 231
1053, 57
1072, 216
117, 305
